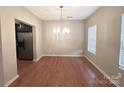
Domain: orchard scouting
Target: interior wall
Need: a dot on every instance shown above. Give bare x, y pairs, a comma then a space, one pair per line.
1, 68
66, 42
8, 16
108, 21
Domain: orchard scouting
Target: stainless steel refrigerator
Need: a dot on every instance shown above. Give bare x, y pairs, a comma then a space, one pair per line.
24, 41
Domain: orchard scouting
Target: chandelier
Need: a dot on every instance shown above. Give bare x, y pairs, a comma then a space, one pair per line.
61, 18
61, 29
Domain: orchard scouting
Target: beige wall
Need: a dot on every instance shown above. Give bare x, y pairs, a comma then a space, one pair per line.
1, 68
8, 16
63, 44
108, 21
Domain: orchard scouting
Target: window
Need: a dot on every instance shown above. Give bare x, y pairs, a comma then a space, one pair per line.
92, 39
121, 57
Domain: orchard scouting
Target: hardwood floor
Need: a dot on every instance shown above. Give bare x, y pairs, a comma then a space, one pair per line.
59, 72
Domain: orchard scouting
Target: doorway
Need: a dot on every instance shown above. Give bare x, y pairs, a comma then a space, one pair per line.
24, 41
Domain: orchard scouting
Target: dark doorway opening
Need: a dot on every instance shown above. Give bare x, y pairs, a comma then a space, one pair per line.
24, 41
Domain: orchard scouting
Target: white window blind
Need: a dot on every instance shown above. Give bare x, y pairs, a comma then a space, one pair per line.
92, 39
121, 57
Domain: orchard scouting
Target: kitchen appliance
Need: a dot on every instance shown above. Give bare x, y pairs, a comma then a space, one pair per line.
24, 41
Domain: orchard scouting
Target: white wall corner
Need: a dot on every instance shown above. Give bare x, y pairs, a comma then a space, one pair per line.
104, 73
37, 59
10, 81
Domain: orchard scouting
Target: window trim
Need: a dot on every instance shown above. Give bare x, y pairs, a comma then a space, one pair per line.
121, 66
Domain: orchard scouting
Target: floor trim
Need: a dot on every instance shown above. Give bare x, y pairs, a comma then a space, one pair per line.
10, 81
36, 60
63, 55
105, 74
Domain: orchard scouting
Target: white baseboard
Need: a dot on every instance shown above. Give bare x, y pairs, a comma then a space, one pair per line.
36, 60
63, 55
10, 81
105, 74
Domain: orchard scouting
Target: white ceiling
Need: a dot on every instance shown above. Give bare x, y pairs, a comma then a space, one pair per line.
54, 12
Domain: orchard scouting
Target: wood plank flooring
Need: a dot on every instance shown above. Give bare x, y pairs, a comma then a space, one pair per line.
59, 72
